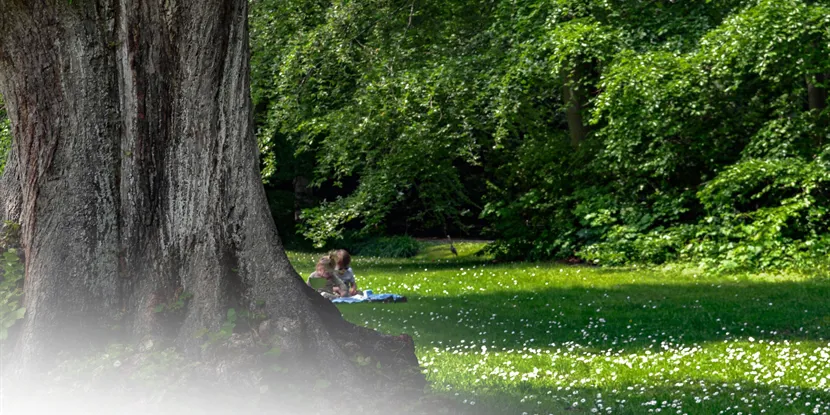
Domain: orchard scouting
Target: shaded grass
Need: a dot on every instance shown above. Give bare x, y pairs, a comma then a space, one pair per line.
545, 338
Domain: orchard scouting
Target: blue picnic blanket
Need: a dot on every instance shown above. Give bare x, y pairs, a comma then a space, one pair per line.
371, 298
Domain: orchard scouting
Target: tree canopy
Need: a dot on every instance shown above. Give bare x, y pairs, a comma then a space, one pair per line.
614, 131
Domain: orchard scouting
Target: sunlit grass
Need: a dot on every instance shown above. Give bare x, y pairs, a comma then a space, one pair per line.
542, 338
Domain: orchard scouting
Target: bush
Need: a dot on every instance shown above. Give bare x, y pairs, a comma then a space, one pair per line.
765, 214
706, 154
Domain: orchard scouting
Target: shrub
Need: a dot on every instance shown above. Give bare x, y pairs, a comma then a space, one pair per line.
765, 214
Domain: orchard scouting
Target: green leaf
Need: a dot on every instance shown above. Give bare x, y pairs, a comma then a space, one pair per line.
275, 352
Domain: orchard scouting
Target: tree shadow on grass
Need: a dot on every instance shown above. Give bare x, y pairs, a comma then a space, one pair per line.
496, 398
623, 316
398, 265
407, 266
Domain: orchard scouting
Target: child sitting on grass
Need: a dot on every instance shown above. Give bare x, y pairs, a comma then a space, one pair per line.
342, 270
334, 287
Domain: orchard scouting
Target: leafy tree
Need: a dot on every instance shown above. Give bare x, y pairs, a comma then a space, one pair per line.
572, 199
599, 129
381, 91
677, 124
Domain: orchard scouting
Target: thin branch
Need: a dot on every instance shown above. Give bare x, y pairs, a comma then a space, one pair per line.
411, 12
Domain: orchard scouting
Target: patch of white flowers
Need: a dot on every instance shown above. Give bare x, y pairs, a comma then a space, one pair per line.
740, 368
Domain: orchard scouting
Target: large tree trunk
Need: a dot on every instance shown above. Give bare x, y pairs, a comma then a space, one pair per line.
137, 182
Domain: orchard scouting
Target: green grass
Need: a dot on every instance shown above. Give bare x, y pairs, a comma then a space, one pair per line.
513, 338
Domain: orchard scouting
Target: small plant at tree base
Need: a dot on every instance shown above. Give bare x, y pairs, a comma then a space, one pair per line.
10, 292
224, 332
10, 234
232, 319
175, 305
273, 356
361, 360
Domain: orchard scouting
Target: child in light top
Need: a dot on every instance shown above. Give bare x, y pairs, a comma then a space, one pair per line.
334, 286
342, 260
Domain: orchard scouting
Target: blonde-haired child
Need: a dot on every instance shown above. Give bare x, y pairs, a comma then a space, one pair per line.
334, 287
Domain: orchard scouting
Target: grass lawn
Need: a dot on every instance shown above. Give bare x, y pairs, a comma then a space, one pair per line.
546, 338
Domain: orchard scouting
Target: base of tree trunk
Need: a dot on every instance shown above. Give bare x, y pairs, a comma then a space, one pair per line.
239, 373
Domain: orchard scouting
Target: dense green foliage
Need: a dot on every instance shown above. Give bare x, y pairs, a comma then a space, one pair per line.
5, 135
542, 338
371, 90
715, 153
615, 131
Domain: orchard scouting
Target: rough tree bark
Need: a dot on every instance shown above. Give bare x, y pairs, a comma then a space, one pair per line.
135, 178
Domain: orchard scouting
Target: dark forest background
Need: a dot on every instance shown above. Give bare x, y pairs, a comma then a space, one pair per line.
613, 131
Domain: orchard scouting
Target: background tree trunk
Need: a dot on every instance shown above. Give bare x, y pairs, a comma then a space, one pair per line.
817, 100
303, 197
817, 92
576, 98
138, 181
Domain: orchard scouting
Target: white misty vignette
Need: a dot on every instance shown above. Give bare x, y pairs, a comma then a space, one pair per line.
34, 398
